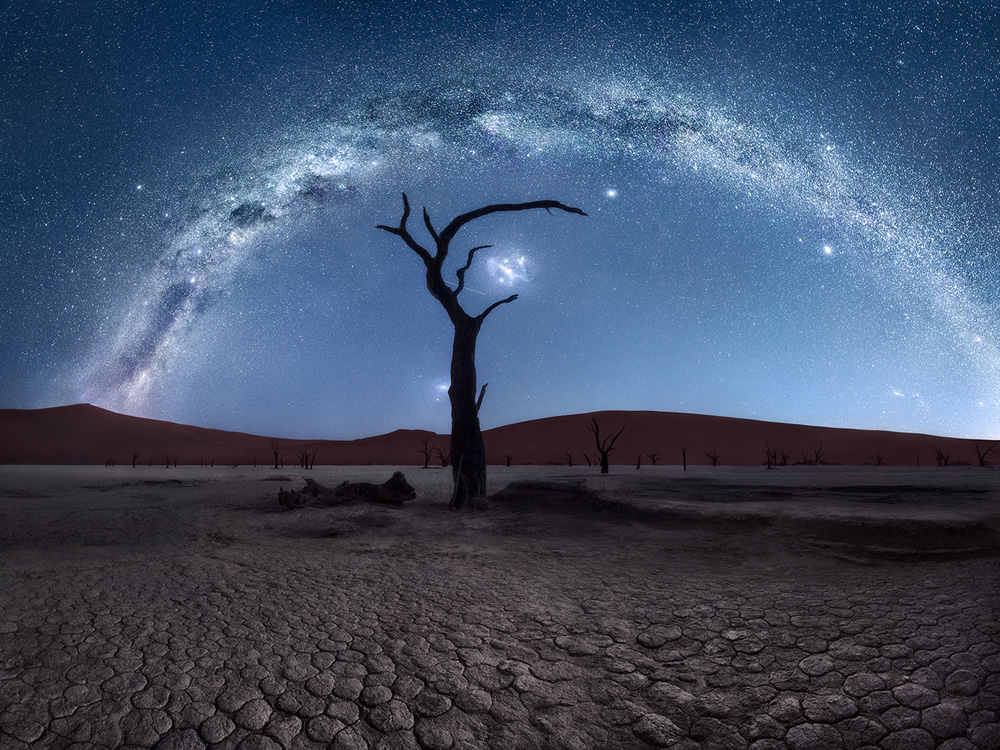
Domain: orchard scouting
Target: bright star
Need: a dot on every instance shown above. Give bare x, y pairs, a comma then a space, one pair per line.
612, 193
827, 250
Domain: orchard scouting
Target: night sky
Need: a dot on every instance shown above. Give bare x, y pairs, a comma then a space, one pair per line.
793, 211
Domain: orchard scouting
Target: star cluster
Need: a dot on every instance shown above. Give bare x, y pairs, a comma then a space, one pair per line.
790, 212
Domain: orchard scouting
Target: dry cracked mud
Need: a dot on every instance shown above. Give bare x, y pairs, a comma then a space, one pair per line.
182, 608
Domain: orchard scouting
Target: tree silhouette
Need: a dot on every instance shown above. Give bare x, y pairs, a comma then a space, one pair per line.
982, 453
468, 452
605, 446
427, 450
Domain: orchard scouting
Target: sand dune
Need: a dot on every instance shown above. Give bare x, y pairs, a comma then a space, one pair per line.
85, 434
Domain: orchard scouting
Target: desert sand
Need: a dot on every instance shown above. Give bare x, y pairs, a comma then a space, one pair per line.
804, 607
86, 434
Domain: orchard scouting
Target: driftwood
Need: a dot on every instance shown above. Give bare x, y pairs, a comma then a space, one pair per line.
395, 491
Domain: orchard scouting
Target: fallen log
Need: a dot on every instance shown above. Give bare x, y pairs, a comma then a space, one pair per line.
395, 491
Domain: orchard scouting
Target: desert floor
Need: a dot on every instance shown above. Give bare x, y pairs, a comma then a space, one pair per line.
807, 607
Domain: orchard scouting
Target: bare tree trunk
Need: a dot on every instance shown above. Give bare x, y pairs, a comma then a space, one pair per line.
468, 452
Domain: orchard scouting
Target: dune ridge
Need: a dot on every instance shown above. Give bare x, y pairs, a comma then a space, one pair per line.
86, 434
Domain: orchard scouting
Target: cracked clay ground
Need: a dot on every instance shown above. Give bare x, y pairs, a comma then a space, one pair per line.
729, 608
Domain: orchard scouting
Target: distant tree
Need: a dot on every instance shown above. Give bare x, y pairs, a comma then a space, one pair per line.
981, 453
604, 446
135, 457
684, 458
879, 460
804, 458
943, 458
817, 455
772, 455
444, 458
277, 450
638, 461
714, 457
468, 452
569, 458
508, 458
652, 457
168, 463
586, 457
427, 450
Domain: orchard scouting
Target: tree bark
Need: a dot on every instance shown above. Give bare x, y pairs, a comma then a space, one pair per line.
468, 451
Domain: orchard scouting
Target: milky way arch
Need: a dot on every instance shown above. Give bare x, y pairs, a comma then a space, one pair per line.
651, 127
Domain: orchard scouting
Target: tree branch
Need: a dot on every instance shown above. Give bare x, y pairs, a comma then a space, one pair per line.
615, 438
479, 401
459, 221
495, 305
460, 273
430, 227
401, 231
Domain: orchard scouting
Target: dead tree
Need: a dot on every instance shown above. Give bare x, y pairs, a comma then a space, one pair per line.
586, 457
395, 491
638, 461
772, 455
569, 457
982, 454
879, 460
277, 450
444, 458
818, 455
713, 456
427, 450
508, 458
684, 458
135, 457
784, 459
652, 457
605, 446
943, 458
468, 452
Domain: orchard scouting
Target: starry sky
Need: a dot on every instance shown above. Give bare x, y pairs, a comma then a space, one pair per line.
792, 212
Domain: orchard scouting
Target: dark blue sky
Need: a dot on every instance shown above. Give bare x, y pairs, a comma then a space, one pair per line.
792, 210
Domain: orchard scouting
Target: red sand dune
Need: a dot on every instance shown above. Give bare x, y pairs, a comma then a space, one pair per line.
85, 434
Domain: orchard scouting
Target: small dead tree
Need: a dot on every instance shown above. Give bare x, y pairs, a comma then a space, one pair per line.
713, 456
943, 458
586, 457
468, 451
772, 455
444, 458
652, 457
981, 454
569, 457
817, 455
426, 449
879, 460
684, 458
508, 458
638, 461
784, 459
277, 450
135, 457
605, 446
